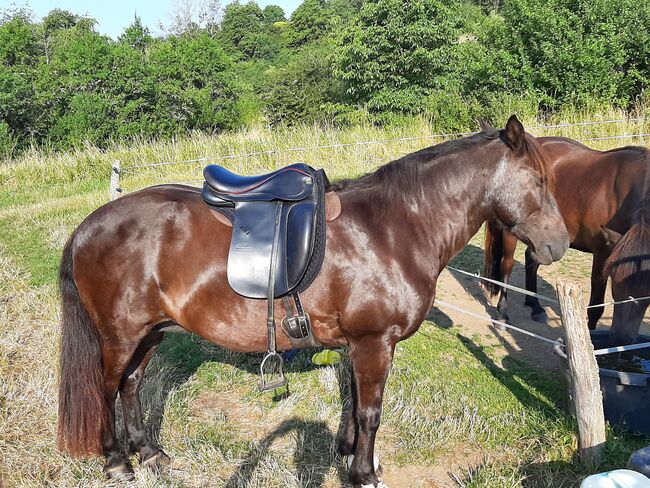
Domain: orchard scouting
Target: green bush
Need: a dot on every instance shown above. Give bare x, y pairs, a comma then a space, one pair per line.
301, 91
395, 54
8, 142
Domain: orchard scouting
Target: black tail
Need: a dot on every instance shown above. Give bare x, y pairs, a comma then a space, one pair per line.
629, 261
493, 254
83, 411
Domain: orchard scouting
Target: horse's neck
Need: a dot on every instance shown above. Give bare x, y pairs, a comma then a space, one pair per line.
457, 205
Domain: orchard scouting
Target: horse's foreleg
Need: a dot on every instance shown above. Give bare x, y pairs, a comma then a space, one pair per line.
507, 263
371, 361
537, 311
347, 436
150, 455
598, 287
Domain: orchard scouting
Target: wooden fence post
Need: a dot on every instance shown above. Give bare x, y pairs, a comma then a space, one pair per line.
114, 189
583, 374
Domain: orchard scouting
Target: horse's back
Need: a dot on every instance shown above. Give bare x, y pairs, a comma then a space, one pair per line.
596, 188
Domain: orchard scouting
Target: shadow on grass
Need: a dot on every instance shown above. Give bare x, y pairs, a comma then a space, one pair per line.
521, 380
179, 358
181, 355
314, 455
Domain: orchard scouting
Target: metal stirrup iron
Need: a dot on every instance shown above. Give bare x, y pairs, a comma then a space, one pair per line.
272, 355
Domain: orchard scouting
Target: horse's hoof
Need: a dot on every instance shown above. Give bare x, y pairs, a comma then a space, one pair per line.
375, 462
119, 472
157, 461
381, 484
540, 317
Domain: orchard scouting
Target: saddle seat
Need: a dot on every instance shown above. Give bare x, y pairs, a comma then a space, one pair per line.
291, 183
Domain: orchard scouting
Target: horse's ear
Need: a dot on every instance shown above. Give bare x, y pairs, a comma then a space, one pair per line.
514, 133
611, 237
485, 125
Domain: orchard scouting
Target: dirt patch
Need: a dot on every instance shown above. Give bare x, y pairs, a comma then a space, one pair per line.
463, 291
443, 475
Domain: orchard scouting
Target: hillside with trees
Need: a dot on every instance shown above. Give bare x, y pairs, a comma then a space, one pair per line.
334, 62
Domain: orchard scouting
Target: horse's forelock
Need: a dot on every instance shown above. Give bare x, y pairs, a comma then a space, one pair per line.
539, 160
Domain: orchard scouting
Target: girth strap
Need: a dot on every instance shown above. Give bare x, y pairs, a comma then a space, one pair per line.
297, 326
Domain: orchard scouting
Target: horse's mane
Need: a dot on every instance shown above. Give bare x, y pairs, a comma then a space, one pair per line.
403, 176
630, 258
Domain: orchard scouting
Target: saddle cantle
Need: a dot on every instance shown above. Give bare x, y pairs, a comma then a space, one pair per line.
278, 241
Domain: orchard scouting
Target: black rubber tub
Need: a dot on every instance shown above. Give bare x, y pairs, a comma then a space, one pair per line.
626, 395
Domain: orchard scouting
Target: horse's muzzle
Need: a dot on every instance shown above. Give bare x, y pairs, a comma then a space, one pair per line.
549, 252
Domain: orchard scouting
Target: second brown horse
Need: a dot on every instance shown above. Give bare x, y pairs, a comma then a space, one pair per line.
599, 194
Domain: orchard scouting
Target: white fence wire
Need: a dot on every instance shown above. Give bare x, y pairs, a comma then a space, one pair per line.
133, 168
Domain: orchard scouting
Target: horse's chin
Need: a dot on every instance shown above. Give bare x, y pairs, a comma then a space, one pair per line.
543, 257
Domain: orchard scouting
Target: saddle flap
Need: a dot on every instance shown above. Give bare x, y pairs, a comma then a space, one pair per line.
249, 258
332, 206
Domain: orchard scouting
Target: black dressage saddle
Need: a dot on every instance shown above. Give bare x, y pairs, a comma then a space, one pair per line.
278, 242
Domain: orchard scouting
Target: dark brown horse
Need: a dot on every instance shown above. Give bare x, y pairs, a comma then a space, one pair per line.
629, 268
158, 257
598, 193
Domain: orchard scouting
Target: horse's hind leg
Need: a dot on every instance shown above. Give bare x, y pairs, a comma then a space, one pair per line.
136, 433
507, 263
537, 313
116, 358
598, 287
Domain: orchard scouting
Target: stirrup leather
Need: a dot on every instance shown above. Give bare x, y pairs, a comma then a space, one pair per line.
272, 355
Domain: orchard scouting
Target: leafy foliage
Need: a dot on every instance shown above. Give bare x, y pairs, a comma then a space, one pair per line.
335, 61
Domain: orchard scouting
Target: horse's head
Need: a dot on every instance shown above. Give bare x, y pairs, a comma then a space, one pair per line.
520, 196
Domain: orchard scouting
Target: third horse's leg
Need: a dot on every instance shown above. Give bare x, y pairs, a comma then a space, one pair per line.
537, 313
598, 287
136, 433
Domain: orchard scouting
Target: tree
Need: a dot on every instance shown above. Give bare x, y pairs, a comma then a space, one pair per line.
273, 14
19, 44
575, 51
136, 35
245, 34
309, 22
191, 16
397, 53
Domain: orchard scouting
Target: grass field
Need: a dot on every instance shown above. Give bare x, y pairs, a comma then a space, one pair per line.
453, 403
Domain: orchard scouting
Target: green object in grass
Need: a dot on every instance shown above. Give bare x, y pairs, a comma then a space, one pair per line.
326, 356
